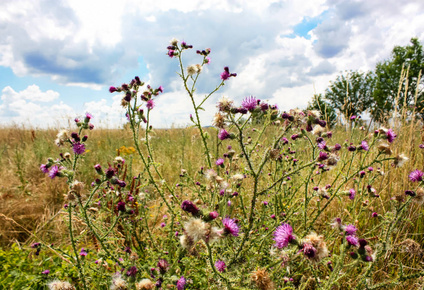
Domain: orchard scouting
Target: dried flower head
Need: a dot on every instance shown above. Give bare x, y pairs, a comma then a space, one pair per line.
118, 283
318, 130
77, 187
384, 148
262, 280
196, 229
62, 137
219, 120
225, 104
318, 243
144, 284
400, 159
174, 42
60, 285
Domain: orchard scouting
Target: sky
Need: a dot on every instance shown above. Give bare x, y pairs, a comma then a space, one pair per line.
58, 58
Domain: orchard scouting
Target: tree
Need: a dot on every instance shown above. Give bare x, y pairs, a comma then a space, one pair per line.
351, 93
396, 81
328, 113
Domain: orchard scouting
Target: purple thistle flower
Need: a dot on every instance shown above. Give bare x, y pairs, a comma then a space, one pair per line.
44, 168
391, 135
350, 230
78, 148
352, 194
45, 272
416, 175
83, 252
121, 206
374, 214
54, 171
230, 227
337, 147
249, 103
295, 136
150, 104
171, 53
223, 134
322, 156
163, 266
309, 250
220, 266
226, 74
283, 235
35, 245
190, 207
365, 146
112, 89
213, 215
220, 162
181, 283
351, 148
352, 240
88, 117
410, 193
421, 146
132, 271
322, 145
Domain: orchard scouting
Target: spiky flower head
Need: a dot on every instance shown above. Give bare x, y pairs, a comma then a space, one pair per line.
416, 175
145, 284
391, 135
220, 266
400, 160
78, 148
230, 227
118, 283
60, 285
249, 103
352, 240
384, 148
174, 41
283, 235
181, 283
262, 280
364, 146
190, 207
194, 69
219, 120
317, 243
350, 230
62, 137
196, 229
225, 104
223, 134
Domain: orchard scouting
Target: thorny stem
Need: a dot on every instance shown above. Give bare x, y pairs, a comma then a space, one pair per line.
74, 247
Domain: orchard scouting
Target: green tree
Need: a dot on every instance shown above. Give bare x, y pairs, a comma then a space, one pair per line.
327, 111
396, 81
351, 93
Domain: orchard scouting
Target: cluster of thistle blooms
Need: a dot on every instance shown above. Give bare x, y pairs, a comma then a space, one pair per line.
131, 93
175, 49
59, 167
199, 228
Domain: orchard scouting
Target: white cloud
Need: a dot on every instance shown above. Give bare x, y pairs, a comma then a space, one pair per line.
92, 44
33, 108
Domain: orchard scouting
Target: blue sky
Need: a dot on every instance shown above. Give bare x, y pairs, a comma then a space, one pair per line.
58, 58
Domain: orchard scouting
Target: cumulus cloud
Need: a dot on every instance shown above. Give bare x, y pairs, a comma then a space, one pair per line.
278, 48
34, 108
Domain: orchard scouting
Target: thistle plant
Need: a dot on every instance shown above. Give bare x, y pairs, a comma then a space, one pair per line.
276, 202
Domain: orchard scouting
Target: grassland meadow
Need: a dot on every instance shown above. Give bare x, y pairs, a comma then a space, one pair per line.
265, 199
